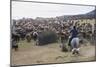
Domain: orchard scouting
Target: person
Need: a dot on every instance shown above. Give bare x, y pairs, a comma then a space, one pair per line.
35, 37
28, 37
14, 45
73, 33
63, 40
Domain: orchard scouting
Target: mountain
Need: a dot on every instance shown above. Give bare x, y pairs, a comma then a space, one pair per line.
65, 18
92, 12
89, 15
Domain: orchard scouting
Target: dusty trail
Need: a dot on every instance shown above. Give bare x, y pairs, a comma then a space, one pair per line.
30, 54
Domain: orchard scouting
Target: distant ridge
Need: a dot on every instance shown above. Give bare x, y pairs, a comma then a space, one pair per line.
88, 15
92, 12
65, 18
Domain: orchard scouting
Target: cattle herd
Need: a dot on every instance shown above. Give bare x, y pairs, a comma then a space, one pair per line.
28, 29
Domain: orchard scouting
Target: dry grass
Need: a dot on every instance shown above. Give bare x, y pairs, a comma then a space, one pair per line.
31, 54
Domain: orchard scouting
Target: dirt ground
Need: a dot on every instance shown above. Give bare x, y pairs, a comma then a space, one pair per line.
29, 53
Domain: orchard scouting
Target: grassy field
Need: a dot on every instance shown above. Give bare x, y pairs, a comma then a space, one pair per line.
29, 53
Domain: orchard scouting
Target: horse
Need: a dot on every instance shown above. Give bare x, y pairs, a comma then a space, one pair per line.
75, 45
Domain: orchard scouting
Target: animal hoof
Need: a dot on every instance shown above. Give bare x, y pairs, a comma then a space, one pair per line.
73, 52
77, 52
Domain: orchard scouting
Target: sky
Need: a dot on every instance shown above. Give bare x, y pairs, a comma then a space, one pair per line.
45, 10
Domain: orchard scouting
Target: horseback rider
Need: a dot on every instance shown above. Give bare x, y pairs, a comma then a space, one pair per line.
74, 33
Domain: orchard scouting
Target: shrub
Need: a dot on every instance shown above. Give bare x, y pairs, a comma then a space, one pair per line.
47, 37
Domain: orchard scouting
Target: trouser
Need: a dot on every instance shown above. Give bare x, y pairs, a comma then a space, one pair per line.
69, 42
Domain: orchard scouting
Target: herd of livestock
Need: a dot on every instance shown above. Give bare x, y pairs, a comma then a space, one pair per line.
28, 29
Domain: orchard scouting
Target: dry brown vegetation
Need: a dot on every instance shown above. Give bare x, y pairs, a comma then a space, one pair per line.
31, 54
